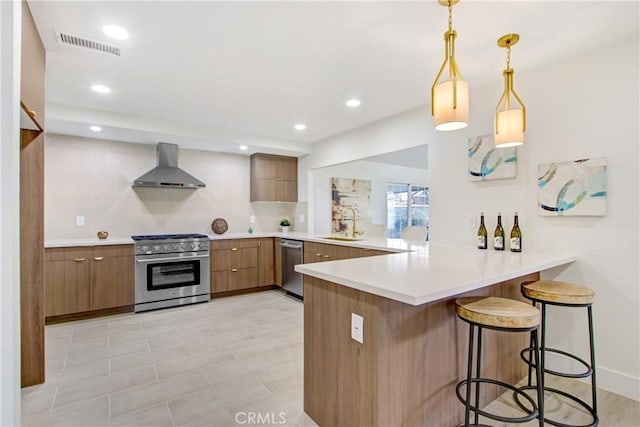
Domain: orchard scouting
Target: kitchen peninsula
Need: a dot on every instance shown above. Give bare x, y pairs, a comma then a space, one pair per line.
412, 355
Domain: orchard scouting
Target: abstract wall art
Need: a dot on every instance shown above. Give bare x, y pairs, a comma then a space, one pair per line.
577, 188
486, 162
350, 197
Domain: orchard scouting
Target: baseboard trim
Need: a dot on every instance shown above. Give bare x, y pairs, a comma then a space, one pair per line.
51, 320
618, 382
216, 295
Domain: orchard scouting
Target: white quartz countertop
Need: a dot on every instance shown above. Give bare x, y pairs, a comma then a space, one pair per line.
64, 243
391, 245
432, 273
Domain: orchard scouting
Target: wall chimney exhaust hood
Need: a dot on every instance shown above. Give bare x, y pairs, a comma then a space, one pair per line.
167, 174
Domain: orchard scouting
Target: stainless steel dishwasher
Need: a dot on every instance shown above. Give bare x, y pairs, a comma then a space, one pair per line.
292, 251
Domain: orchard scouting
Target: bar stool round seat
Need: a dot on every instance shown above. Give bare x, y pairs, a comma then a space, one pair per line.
498, 312
572, 295
554, 292
505, 315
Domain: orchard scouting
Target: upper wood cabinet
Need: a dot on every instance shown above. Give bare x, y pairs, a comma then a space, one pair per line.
79, 279
274, 178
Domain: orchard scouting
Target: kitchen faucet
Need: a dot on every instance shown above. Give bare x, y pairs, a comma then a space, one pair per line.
354, 231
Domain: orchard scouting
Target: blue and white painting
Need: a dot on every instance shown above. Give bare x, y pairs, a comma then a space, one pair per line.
577, 188
488, 162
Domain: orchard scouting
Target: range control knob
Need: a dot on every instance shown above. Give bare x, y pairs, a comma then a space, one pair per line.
156, 248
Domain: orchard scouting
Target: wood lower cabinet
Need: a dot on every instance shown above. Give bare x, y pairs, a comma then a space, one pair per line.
80, 279
266, 262
274, 178
111, 282
319, 252
67, 273
234, 265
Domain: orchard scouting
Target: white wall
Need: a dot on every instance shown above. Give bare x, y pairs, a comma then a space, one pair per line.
378, 173
92, 177
10, 42
585, 106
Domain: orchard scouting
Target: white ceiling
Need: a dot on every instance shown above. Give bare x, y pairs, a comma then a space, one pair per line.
214, 75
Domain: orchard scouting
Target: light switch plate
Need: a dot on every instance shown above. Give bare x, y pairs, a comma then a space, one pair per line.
357, 326
80, 221
301, 219
252, 219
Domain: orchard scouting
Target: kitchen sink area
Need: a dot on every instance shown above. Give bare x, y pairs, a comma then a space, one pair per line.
342, 239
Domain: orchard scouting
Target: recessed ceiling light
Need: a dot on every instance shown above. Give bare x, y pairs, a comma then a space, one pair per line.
353, 103
115, 32
244, 147
300, 126
100, 89
95, 128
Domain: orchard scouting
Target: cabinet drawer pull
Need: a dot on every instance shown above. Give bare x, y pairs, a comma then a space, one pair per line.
233, 270
318, 254
79, 259
98, 258
278, 179
234, 249
327, 256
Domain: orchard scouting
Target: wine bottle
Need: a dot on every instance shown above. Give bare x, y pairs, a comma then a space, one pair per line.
482, 233
516, 236
498, 235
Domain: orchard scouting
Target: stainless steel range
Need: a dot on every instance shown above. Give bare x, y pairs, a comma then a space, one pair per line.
171, 270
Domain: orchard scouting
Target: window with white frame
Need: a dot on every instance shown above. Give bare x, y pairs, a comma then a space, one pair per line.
407, 204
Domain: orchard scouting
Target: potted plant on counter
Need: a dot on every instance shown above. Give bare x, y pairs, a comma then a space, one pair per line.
285, 224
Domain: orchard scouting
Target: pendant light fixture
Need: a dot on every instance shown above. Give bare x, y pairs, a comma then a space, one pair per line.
450, 97
510, 121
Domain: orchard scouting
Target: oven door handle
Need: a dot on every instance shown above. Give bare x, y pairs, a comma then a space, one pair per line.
186, 258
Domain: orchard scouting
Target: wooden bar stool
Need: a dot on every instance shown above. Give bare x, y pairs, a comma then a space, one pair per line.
505, 315
547, 292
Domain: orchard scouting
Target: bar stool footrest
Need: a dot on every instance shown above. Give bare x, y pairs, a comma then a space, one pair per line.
531, 413
585, 374
579, 401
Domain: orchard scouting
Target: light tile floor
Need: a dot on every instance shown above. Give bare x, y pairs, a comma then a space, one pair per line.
211, 364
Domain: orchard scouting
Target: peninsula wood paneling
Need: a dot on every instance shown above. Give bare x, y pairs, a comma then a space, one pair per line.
32, 208
412, 357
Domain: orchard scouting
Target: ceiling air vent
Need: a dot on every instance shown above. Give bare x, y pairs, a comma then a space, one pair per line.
77, 41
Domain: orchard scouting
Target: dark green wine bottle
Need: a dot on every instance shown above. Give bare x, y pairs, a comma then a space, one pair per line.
516, 236
482, 233
498, 235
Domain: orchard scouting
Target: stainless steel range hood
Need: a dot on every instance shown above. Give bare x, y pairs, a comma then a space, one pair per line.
167, 174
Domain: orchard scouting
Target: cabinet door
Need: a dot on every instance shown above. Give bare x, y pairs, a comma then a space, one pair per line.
243, 253
274, 178
66, 281
289, 169
243, 278
111, 277
219, 281
286, 191
220, 259
312, 252
278, 261
266, 262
